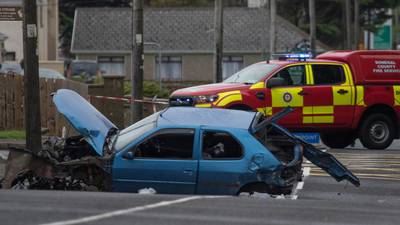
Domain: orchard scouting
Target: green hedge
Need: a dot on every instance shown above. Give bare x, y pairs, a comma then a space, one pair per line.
150, 89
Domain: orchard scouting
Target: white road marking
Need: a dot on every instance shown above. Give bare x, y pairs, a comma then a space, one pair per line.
127, 211
300, 185
306, 171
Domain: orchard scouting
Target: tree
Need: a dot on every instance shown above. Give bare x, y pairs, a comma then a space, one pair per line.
329, 17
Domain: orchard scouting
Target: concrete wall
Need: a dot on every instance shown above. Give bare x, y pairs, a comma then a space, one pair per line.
13, 30
197, 67
251, 59
86, 57
54, 65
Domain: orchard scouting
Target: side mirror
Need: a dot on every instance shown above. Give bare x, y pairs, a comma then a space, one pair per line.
275, 82
128, 155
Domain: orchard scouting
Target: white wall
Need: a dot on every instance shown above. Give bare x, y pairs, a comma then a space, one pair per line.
47, 32
13, 30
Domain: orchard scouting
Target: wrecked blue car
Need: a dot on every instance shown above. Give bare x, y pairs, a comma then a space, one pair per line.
180, 150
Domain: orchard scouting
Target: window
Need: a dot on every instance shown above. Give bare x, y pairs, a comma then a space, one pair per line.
168, 144
9, 56
111, 65
171, 67
294, 75
231, 65
328, 74
220, 145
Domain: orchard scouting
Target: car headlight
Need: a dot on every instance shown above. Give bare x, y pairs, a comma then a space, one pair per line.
202, 99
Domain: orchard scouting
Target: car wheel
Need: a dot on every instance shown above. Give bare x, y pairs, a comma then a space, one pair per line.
377, 131
333, 140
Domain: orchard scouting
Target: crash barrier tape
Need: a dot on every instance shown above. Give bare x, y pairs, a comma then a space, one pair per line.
129, 100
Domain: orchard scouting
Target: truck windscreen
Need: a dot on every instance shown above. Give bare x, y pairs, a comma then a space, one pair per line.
251, 74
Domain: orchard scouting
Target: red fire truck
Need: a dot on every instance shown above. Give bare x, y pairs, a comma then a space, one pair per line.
343, 95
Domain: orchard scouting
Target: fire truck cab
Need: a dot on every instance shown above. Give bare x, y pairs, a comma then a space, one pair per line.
343, 95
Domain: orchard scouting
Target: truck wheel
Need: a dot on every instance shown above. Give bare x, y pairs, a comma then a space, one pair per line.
377, 131
334, 140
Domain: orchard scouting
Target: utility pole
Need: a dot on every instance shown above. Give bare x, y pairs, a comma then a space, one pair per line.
348, 24
313, 27
137, 61
31, 78
356, 24
396, 14
218, 40
272, 28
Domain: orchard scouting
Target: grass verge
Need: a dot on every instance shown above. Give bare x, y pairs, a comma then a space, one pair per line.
12, 134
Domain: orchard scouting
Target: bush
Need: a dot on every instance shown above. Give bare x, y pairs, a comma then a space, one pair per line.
150, 89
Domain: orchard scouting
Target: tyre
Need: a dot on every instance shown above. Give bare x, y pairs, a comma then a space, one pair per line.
377, 131
334, 140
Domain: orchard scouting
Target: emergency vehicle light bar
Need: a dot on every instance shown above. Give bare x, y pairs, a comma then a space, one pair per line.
294, 56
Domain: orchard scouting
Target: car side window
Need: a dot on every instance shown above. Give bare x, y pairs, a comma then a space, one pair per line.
293, 75
328, 74
167, 144
220, 145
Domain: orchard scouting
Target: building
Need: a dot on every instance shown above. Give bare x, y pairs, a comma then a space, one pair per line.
47, 13
186, 36
3, 38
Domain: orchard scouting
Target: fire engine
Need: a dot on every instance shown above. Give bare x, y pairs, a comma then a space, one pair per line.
343, 95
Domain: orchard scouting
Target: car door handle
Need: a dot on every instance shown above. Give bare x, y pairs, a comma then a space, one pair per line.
302, 93
188, 172
342, 91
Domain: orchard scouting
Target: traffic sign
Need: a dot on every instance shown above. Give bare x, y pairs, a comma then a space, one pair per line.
383, 37
10, 13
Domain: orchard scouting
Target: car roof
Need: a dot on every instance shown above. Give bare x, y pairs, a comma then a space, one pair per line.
191, 116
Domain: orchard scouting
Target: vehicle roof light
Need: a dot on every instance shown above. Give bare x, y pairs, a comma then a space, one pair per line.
295, 56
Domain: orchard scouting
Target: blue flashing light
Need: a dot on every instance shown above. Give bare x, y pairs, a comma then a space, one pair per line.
300, 56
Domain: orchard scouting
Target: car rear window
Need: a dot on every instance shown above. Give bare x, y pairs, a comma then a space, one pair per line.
220, 145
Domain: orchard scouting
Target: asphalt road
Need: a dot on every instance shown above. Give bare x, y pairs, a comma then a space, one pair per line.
321, 201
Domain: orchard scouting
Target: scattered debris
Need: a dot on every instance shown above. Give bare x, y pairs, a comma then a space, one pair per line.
3, 155
147, 191
62, 164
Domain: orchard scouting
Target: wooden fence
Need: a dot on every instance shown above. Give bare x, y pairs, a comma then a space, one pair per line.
12, 102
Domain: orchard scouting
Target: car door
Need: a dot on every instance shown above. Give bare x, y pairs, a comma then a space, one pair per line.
322, 159
290, 94
330, 97
221, 163
164, 161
